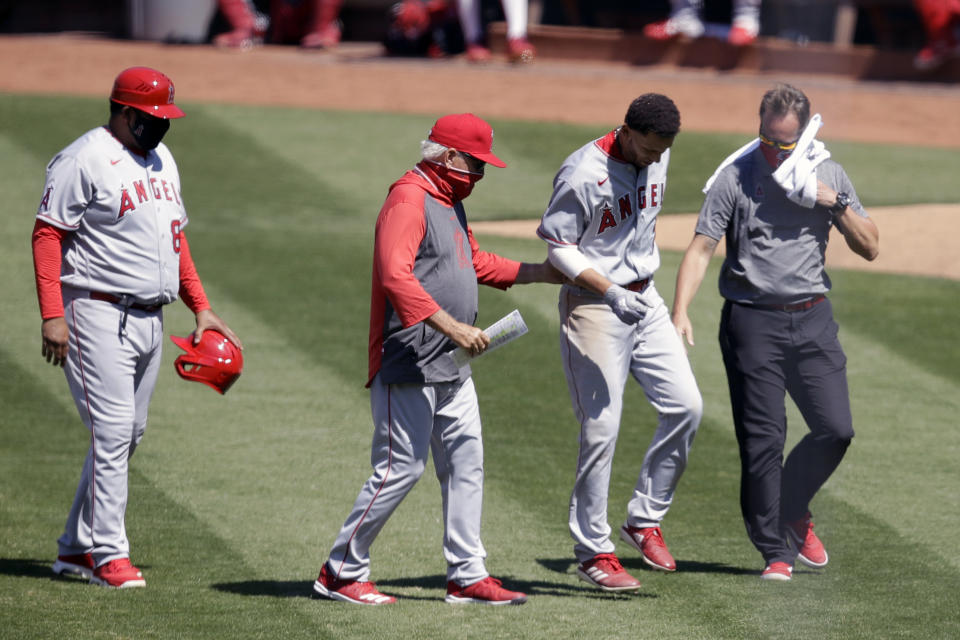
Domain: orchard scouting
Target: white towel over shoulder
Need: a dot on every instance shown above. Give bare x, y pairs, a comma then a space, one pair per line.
797, 175
742, 151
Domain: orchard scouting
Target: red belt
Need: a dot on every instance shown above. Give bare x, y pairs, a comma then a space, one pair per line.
638, 286
109, 297
796, 306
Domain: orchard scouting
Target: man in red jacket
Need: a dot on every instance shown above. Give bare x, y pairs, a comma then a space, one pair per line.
426, 268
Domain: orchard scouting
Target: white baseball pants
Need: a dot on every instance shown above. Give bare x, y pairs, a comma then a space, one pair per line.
112, 370
410, 420
598, 351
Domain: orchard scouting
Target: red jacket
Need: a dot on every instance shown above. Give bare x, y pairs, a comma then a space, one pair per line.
401, 228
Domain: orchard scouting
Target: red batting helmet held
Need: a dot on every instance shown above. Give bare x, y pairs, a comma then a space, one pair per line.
148, 90
216, 362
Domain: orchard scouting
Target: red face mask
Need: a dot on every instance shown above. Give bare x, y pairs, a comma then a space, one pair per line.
773, 155
457, 183
775, 152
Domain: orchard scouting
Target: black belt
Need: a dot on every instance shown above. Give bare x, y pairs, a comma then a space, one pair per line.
109, 297
638, 286
796, 306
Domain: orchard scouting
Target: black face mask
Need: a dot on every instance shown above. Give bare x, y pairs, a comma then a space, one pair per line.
148, 131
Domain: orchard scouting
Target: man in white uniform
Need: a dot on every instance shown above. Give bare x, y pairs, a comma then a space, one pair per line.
599, 229
109, 252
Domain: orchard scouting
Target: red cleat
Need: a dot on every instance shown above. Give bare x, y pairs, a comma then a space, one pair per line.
936, 53
352, 591
486, 591
649, 542
605, 571
478, 53
777, 571
810, 550
741, 36
249, 32
664, 30
520, 50
118, 574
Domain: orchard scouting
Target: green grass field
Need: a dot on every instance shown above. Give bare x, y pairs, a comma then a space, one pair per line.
235, 500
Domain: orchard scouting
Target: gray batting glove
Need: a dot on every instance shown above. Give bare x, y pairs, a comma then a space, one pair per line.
627, 305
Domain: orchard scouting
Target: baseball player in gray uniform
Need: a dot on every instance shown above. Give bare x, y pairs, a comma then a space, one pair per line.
109, 253
777, 332
426, 268
599, 229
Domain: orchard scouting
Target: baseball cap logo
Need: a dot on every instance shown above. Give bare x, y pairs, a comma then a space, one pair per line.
467, 133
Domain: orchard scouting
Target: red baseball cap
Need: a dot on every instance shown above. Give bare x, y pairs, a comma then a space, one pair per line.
467, 133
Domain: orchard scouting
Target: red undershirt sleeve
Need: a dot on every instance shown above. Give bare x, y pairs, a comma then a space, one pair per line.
492, 270
191, 289
400, 229
47, 241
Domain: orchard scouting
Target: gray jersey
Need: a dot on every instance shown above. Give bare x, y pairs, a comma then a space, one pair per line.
775, 248
608, 209
125, 214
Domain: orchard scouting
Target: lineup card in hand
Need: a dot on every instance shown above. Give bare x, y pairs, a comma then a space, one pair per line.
506, 329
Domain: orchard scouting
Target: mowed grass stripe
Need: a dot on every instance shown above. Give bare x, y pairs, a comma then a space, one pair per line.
913, 317
361, 154
181, 557
901, 467
274, 465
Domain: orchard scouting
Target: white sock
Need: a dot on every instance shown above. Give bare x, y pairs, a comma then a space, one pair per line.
515, 12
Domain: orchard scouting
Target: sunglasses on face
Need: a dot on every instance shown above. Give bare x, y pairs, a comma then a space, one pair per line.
782, 146
476, 165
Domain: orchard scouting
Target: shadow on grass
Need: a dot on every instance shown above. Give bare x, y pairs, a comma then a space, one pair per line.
274, 588
303, 589
27, 568
530, 587
566, 565
692, 566
431, 585
33, 568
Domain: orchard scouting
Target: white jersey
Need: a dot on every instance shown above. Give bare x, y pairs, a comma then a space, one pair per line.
126, 215
608, 209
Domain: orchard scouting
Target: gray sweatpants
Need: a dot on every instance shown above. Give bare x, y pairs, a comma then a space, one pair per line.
409, 421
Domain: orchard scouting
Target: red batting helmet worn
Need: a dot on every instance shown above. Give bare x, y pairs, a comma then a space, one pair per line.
216, 362
146, 89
